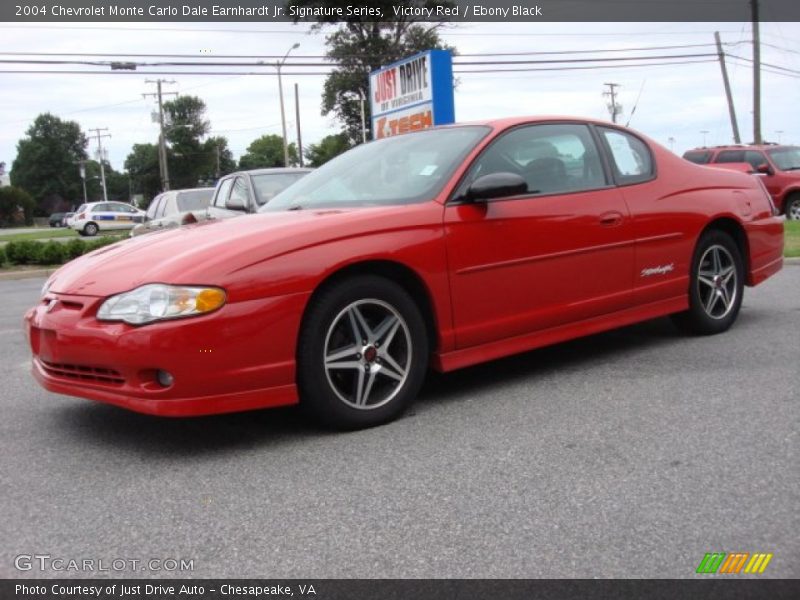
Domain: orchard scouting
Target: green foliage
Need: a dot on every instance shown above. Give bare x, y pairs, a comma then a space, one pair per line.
45, 165
328, 147
2, 256
26, 252
51, 253
12, 201
360, 47
74, 248
142, 165
29, 252
267, 152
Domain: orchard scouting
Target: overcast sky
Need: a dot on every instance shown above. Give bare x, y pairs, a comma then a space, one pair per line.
677, 101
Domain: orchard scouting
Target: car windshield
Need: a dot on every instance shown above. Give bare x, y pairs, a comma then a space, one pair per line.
82, 207
698, 157
786, 158
194, 200
269, 185
398, 170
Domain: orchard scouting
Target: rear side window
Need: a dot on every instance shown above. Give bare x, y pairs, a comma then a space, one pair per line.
154, 206
729, 156
631, 158
698, 157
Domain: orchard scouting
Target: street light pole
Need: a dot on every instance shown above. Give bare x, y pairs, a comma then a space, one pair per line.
278, 66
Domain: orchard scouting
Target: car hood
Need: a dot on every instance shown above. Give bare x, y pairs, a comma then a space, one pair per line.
210, 252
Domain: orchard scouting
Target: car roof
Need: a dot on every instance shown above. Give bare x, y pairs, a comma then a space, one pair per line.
766, 146
272, 171
520, 120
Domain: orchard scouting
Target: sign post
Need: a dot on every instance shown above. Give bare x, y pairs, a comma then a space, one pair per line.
413, 93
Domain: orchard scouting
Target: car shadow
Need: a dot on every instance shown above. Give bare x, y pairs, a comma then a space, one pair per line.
176, 437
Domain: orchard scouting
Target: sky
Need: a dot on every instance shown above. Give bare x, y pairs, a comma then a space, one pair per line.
673, 104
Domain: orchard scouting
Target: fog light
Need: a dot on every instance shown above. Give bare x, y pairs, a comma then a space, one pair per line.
164, 378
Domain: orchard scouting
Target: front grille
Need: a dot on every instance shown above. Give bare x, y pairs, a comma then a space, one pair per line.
83, 373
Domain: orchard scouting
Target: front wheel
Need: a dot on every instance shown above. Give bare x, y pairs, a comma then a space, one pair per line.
716, 286
362, 353
793, 207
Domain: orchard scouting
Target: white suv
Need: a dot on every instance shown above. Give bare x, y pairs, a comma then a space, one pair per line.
102, 216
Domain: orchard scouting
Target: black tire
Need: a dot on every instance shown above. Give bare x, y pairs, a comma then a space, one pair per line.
332, 392
90, 229
792, 208
714, 300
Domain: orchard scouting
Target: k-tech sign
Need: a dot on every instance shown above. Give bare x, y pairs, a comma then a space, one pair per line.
414, 93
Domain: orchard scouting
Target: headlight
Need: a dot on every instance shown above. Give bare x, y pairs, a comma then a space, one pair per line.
156, 301
46, 286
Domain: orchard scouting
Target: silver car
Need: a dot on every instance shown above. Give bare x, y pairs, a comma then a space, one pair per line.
171, 209
247, 191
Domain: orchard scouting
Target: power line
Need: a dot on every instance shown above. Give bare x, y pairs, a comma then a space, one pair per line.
320, 56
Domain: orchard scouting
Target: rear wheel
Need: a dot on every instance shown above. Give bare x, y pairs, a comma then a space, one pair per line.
793, 207
716, 286
362, 353
90, 229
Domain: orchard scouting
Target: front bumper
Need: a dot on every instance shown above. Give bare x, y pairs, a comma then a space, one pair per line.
238, 358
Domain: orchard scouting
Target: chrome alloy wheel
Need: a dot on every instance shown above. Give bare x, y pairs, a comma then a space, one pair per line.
367, 354
717, 286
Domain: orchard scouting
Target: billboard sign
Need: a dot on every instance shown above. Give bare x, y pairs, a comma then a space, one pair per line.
413, 93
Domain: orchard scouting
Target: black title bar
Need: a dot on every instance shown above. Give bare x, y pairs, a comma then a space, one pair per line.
456, 11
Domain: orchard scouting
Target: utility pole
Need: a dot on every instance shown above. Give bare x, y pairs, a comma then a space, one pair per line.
101, 157
278, 66
297, 120
218, 162
162, 140
613, 107
705, 132
756, 74
363, 118
731, 111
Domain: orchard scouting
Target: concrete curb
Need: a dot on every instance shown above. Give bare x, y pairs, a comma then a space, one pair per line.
29, 274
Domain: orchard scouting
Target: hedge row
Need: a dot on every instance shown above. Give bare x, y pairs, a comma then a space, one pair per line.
31, 252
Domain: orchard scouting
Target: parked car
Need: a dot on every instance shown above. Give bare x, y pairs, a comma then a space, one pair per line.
56, 219
779, 166
247, 191
169, 209
65, 221
440, 248
105, 216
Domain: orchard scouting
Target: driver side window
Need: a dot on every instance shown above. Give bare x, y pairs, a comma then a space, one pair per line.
552, 159
222, 193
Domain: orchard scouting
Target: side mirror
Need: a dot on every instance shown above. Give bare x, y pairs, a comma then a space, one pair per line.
765, 169
496, 185
235, 203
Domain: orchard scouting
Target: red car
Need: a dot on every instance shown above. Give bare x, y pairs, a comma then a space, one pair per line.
441, 248
778, 165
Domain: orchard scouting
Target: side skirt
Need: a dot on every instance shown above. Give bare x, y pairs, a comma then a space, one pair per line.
458, 359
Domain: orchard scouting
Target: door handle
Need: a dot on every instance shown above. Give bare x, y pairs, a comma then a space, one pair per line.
611, 219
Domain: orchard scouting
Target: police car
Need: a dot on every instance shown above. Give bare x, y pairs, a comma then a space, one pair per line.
104, 216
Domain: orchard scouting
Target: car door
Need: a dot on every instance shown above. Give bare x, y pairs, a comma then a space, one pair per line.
561, 252
102, 215
660, 256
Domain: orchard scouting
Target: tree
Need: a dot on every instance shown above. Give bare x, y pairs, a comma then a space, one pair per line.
266, 152
46, 163
219, 159
328, 147
189, 159
358, 48
142, 167
15, 204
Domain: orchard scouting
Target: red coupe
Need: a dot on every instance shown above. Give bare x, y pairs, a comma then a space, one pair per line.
441, 248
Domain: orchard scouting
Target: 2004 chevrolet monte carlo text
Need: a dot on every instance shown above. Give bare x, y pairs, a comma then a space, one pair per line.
441, 248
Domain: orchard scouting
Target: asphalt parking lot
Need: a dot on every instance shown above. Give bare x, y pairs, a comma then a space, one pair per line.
627, 454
